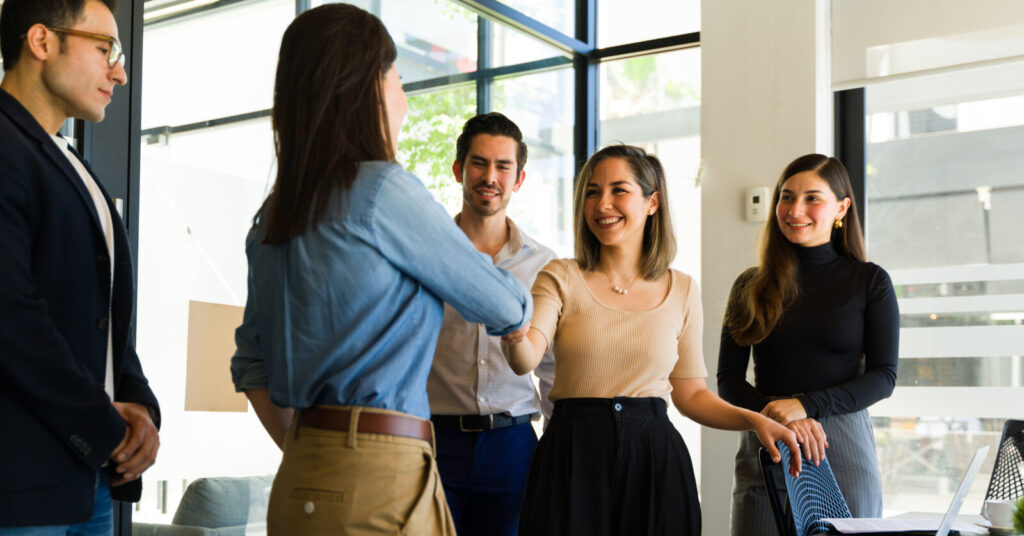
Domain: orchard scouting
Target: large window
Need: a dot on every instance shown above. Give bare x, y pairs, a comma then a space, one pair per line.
943, 189
654, 102
207, 161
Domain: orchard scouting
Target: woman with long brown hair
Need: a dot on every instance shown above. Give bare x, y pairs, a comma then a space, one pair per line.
823, 325
349, 261
626, 331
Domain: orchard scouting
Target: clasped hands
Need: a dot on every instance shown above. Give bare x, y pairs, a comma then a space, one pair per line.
790, 413
516, 337
519, 352
137, 451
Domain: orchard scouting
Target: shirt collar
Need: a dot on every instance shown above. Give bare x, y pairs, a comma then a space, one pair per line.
62, 143
515, 244
515, 238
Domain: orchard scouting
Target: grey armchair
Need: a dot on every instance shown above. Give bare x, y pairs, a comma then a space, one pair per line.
222, 506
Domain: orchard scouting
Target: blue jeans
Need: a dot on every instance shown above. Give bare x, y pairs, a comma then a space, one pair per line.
484, 476
101, 523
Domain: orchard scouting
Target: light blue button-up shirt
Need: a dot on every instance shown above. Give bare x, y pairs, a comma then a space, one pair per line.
349, 313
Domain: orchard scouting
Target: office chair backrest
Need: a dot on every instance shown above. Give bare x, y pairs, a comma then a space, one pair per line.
774, 481
1007, 483
813, 496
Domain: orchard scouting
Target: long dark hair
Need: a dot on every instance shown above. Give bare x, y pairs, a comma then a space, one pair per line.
659, 244
758, 302
328, 114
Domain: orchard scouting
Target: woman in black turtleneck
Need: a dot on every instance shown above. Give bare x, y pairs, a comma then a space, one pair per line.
824, 327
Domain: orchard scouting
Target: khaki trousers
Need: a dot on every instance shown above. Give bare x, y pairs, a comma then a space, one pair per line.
336, 483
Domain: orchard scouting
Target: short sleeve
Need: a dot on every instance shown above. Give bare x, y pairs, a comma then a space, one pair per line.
548, 298
691, 337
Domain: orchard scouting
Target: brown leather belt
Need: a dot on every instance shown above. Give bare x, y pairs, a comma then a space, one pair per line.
369, 422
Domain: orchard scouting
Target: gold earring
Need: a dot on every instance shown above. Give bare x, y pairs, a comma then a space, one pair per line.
838, 224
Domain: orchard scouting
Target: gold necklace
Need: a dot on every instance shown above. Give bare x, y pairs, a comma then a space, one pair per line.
617, 289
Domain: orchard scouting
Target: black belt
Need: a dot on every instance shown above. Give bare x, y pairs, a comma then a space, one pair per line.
479, 423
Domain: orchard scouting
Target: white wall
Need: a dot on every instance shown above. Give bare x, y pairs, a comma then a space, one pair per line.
766, 100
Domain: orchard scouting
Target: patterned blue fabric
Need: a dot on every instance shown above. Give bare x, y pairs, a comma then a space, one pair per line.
813, 495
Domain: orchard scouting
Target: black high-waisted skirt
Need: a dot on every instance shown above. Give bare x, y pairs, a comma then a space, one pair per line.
609, 467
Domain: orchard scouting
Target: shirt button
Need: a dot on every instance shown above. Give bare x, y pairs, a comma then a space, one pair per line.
617, 406
309, 507
482, 362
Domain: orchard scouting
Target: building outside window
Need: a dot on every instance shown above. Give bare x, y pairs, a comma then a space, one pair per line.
944, 188
942, 127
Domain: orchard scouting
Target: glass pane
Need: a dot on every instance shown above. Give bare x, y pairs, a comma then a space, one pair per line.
218, 64
654, 102
620, 22
373, 6
542, 105
434, 38
943, 194
557, 14
510, 47
198, 193
426, 146
922, 460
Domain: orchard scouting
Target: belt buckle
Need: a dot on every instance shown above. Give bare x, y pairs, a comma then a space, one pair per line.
490, 424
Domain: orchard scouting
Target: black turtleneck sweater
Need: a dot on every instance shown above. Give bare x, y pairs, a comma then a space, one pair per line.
835, 348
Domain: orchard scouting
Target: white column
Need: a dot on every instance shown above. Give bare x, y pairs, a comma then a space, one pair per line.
766, 100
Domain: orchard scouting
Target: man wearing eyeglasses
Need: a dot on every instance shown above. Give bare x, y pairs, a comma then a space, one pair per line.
78, 419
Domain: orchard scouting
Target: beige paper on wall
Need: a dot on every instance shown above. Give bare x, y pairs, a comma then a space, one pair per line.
211, 343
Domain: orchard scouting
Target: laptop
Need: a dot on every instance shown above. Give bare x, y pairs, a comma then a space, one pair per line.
921, 526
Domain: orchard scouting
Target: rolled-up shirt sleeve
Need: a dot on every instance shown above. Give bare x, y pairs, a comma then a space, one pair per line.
247, 367
418, 237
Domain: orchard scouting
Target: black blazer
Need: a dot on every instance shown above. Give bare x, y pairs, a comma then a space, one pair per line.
57, 424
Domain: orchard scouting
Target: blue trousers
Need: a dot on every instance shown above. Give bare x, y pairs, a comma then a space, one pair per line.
484, 476
101, 523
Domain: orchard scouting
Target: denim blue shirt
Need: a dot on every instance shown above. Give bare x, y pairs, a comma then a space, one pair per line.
348, 313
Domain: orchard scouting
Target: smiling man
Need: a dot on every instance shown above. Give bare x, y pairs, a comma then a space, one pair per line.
481, 409
80, 421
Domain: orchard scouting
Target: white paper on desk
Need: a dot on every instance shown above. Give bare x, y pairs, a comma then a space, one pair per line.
867, 525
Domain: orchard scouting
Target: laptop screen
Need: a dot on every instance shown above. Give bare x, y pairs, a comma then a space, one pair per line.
961, 491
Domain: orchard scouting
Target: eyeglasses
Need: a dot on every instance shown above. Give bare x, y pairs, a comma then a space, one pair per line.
114, 53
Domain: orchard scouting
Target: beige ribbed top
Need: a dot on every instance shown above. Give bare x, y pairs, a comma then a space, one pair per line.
604, 352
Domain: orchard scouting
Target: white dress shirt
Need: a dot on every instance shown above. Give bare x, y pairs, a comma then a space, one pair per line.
470, 376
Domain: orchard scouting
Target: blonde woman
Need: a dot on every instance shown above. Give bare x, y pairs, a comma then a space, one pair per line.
626, 331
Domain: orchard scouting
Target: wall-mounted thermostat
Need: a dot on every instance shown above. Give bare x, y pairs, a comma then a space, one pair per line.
758, 203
